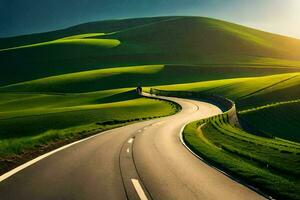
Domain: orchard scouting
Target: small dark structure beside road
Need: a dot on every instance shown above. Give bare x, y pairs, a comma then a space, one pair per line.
139, 89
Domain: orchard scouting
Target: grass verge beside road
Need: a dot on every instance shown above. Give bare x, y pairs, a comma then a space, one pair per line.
270, 164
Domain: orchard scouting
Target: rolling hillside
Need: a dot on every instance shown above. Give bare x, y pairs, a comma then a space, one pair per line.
92, 27
247, 92
282, 119
254, 97
270, 164
47, 118
120, 77
169, 40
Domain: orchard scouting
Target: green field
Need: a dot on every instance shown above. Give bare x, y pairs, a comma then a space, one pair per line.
74, 82
282, 119
40, 116
120, 77
168, 40
76, 40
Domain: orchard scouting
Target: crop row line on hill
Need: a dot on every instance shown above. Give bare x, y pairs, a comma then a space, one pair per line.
269, 86
269, 106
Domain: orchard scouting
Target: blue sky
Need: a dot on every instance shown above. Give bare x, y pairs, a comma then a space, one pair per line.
29, 16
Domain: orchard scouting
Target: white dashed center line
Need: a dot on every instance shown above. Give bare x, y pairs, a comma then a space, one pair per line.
138, 188
130, 140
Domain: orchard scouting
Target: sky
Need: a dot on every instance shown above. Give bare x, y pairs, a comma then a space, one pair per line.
19, 17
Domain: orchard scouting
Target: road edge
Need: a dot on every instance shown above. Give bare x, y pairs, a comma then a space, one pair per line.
41, 157
235, 179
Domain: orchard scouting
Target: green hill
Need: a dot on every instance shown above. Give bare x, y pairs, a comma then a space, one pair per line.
282, 119
148, 75
31, 120
164, 40
251, 91
256, 92
91, 27
196, 36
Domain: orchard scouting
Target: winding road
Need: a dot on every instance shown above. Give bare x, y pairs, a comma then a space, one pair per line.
143, 161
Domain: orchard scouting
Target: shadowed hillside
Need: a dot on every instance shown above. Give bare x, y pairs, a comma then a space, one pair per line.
163, 40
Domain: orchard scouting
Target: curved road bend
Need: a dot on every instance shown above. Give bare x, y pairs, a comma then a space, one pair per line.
143, 161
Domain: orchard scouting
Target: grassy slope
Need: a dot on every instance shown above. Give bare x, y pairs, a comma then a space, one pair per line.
105, 43
25, 64
37, 114
88, 80
283, 119
194, 36
256, 160
149, 75
106, 26
176, 40
259, 91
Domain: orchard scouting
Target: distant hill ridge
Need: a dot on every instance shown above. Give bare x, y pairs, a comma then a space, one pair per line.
129, 42
183, 31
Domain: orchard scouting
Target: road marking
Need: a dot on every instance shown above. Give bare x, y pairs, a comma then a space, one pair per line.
31, 162
138, 188
127, 150
130, 140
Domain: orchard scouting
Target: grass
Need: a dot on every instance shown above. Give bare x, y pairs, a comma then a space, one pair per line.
88, 80
147, 75
58, 112
193, 35
105, 43
255, 160
282, 119
169, 40
22, 101
255, 93
269, 106
248, 92
106, 26
83, 36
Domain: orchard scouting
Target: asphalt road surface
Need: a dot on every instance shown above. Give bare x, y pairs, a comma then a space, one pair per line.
144, 160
